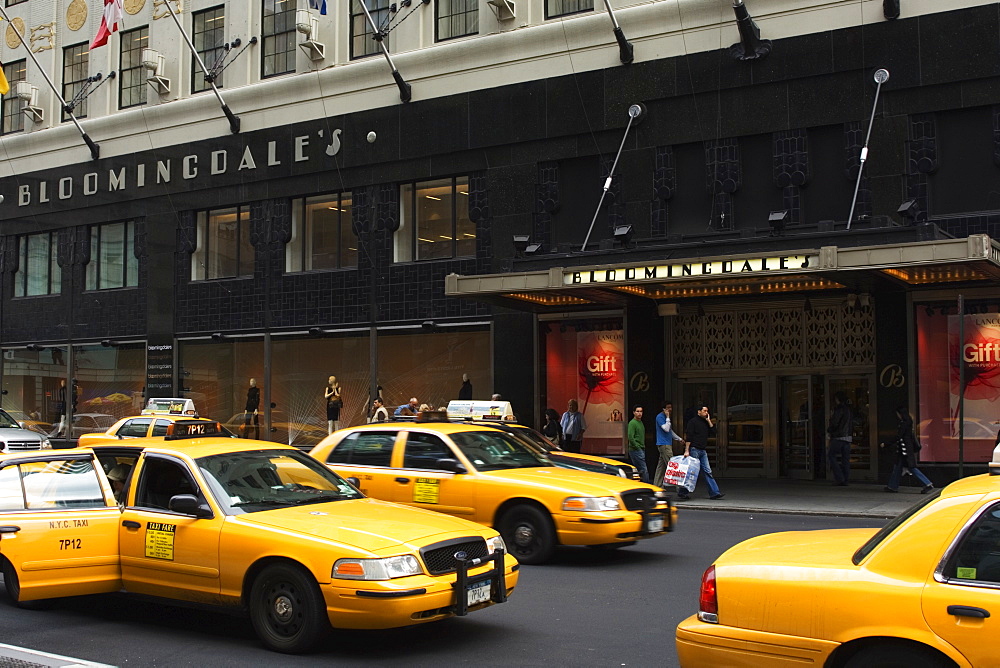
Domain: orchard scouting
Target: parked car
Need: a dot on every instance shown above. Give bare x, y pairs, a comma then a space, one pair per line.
29, 422
15, 438
917, 593
302, 434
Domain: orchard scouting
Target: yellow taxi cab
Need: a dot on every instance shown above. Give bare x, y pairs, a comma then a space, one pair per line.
239, 523
486, 475
153, 425
919, 592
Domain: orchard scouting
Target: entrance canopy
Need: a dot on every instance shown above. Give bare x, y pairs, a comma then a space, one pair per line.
974, 260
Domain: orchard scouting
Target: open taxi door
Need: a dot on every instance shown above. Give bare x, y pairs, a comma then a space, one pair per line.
58, 526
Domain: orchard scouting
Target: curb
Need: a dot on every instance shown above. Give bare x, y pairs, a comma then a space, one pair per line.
888, 515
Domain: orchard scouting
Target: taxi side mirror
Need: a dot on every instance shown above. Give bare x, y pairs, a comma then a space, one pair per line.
188, 504
354, 480
451, 465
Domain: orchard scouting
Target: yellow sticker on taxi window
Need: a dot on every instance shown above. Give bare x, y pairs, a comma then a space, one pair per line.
427, 490
160, 540
966, 573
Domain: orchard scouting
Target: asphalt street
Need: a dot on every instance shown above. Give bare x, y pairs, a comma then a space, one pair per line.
587, 608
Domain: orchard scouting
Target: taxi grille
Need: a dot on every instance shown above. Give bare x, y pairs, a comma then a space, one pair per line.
633, 499
21, 446
440, 557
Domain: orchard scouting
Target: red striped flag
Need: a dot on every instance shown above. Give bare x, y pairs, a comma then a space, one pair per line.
109, 22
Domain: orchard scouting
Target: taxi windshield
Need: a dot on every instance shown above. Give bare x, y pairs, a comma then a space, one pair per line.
495, 451
255, 480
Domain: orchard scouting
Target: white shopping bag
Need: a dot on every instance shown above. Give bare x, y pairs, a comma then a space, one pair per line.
683, 472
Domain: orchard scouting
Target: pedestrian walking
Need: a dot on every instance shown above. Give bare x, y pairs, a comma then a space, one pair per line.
697, 431
840, 430
637, 443
379, 412
906, 447
665, 439
573, 425
551, 429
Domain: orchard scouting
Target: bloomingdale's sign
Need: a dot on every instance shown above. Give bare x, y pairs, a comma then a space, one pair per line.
738, 267
194, 169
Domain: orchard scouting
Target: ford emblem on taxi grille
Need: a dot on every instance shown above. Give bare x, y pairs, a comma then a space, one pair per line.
461, 556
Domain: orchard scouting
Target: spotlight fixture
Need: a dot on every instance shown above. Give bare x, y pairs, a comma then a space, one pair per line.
929, 310
108, 343
623, 234
777, 220
531, 249
910, 210
807, 305
428, 324
521, 242
852, 300
750, 46
315, 331
865, 299
701, 310
35, 347
890, 9
218, 336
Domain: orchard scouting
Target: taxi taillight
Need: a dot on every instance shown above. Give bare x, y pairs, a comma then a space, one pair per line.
708, 602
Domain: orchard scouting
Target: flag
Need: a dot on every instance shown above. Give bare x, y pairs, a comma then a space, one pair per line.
318, 4
4, 84
109, 22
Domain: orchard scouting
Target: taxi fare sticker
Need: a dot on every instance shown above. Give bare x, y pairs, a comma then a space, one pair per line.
160, 540
427, 490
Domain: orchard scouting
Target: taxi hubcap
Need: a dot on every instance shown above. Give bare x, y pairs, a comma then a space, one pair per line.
524, 535
283, 610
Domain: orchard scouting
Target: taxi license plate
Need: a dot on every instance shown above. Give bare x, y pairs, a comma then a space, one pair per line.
478, 593
654, 524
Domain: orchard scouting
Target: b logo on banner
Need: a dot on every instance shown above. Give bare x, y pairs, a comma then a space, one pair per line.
891, 376
639, 382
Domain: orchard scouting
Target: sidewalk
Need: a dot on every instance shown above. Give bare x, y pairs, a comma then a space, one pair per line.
804, 497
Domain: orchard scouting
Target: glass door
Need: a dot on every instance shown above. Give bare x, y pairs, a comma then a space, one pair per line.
796, 423
859, 394
694, 395
739, 446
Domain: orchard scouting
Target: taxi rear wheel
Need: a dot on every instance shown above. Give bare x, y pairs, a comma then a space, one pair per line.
528, 533
287, 609
897, 655
12, 585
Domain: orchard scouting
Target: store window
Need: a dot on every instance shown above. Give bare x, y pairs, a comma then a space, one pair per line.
362, 38
434, 221
938, 380
279, 37
13, 119
585, 361
76, 63
456, 18
113, 263
209, 36
556, 8
224, 249
322, 235
38, 271
132, 75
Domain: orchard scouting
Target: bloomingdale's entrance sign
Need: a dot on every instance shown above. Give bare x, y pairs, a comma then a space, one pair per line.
657, 272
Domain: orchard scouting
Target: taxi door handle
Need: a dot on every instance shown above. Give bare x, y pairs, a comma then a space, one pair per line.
9, 529
403, 480
129, 524
968, 611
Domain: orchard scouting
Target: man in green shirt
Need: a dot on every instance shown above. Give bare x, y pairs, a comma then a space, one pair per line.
637, 443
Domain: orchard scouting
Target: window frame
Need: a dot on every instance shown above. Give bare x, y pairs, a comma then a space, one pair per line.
134, 68
550, 15
244, 267
406, 240
96, 274
10, 103
70, 88
209, 55
300, 255
940, 573
379, 15
352, 439
53, 272
269, 39
438, 19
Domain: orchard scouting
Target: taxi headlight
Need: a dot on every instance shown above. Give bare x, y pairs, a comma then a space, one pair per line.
377, 569
494, 544
45, 444
591, 503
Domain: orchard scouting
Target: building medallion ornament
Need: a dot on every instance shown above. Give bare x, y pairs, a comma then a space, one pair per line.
134, 6
76, 15
14, 32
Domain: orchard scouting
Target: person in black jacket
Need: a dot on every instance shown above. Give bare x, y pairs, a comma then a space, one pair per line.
697, 431
840, 430
906, 448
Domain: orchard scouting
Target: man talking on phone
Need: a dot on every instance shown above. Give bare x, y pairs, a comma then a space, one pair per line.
696, 434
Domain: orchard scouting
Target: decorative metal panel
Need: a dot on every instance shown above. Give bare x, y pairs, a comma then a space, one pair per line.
858, 336
786, 338
689, 349
751, 352
822, 336
720, 340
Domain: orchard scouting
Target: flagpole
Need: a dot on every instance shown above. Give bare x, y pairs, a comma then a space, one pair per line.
404, 88
95, 149
234, 120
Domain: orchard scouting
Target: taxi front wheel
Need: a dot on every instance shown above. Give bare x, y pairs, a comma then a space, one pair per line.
528, 533
287, 609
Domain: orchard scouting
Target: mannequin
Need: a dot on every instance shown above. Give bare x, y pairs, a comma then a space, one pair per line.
334, 402
251, 411
61, 411
466, 390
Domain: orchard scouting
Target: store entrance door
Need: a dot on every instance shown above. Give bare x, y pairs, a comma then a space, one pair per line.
858, 389
800, 418
739, 448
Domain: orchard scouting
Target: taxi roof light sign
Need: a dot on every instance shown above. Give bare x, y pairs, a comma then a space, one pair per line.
182, 429
481, 410
170, 406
